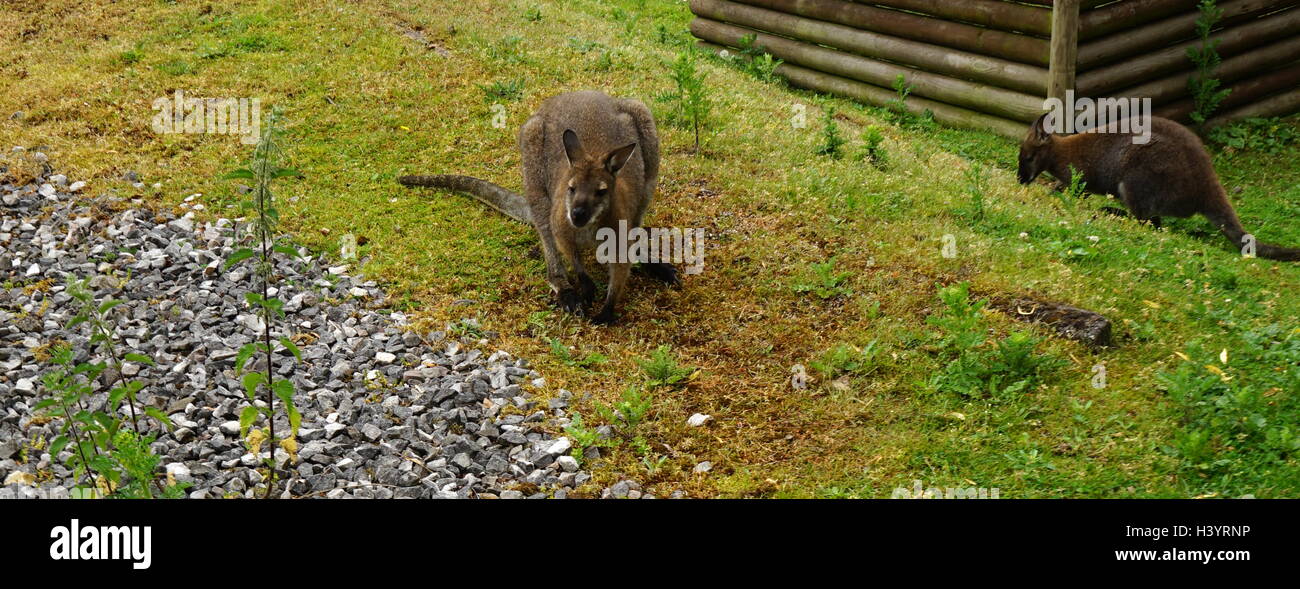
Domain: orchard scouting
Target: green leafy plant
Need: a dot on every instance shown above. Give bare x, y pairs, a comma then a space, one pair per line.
691, 96
95, 435
583, 437
846, 358
823, 281
263, 169
832, 140
1011, 366
663, 370
872, 151
1269, 136
533, 14
961, 320
560, 351
757, 61
629, 411
1077, 188
976, 184
1204, 87
503, 90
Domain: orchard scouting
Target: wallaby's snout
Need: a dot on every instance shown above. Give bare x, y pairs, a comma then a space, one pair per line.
1035, 151
591, 179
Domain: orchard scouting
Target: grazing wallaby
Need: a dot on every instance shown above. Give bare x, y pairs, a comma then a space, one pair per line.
589, 161
1170, 175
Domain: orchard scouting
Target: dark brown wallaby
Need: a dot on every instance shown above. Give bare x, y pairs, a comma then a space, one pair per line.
589, 161
1170, 175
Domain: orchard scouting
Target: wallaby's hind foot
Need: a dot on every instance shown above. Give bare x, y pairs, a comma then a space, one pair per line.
605, 317
665, 273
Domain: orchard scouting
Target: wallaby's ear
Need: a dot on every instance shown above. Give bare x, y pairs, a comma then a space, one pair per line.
1038, 132
615, 160
573, 147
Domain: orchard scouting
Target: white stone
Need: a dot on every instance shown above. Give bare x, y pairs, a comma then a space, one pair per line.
78, 185
698, 419
34, 270
560, 446
385, 358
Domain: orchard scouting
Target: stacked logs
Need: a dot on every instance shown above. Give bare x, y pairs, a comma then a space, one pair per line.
987, 64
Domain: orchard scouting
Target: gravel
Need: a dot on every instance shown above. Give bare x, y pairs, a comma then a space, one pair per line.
387, 412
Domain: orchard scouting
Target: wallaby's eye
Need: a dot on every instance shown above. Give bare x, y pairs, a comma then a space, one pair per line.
601, 192
572, 190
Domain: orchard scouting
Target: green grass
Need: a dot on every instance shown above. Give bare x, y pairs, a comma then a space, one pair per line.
900, 397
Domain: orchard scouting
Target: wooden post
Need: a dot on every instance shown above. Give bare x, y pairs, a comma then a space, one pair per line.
1064, 48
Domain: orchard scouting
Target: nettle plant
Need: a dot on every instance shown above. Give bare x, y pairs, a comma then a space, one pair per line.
98, 438
262, 170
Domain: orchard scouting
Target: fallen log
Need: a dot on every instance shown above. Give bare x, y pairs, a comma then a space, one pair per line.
1072, 323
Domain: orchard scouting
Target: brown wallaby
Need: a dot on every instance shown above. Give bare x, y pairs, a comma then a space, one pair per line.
1169, 175
589, 161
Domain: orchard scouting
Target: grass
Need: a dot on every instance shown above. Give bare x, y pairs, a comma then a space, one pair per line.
365, 103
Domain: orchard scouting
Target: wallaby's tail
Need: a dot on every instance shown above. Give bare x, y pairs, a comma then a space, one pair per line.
508, 203
1226, 220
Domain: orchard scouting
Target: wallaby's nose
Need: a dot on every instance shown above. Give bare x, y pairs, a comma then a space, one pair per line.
580, 216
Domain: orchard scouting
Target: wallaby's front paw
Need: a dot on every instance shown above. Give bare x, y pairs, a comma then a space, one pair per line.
586, 288
605, 317
571, 301
665, 273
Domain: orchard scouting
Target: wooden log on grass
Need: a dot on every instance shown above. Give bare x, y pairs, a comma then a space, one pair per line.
1264, 59
941, 60
1021, 48
1243, 93
1069, 322
1181, 27
953, 116
997, 101
1159, 63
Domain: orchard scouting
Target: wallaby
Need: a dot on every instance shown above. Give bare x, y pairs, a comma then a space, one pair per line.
589, 161
1170, 175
